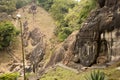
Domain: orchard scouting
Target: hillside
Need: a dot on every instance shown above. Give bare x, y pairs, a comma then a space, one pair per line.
94, 46
88, 33
42, 21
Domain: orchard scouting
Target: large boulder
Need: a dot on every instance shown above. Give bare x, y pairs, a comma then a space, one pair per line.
98, 39
97, 42
64, 53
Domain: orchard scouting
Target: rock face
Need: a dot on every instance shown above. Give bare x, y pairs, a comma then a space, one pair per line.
98, 39
64, 52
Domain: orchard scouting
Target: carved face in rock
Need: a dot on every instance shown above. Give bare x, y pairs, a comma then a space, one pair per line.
86, 47
87, 53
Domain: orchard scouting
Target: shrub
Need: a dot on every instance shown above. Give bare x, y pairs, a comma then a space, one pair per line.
96, 75
79, 13
46, 4
62, 36
21, 3
7, 34
7, 6
68, 13
71, 15
9, 76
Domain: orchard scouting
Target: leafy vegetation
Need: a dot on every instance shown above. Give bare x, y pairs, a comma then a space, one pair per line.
9, 76
21, 3
69, 14
96, 75
7, 34
7, 6
10, 6
79, 13
46, 4
59, 10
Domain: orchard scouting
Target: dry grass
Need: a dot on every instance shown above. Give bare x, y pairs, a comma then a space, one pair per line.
63, 74
43, 21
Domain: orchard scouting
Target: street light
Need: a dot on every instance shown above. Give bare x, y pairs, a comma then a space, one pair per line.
23, 55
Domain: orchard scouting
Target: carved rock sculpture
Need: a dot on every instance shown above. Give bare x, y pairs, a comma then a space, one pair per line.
98, 39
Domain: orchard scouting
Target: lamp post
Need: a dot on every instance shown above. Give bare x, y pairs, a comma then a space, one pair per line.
23, 55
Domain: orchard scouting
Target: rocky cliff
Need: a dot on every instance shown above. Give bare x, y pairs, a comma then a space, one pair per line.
98, 39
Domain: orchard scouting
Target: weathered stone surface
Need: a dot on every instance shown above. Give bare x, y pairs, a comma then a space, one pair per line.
64, 51
33, 8
36, 56
98, 39
103, 44
101, 3
16, 67
56, 57
36, 36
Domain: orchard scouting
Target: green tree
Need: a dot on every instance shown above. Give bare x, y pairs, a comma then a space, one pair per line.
7, 6
46, 4
10, 6
96, 75
21, 3
68, 14
79, 13
58, 10
7, 34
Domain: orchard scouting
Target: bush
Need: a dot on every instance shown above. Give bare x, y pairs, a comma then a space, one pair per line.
79, 13
7, 6
21, 3
68, 13
71, 15
96, 75
59, 9
7, 34
10, 6
46, 4
62, 36
9, 76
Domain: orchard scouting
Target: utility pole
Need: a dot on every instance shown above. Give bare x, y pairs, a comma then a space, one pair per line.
23, 54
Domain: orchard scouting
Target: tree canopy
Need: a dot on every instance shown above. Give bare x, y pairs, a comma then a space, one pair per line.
46, 4
9, 6
68, 14
8, 33
59, 10
79, 13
